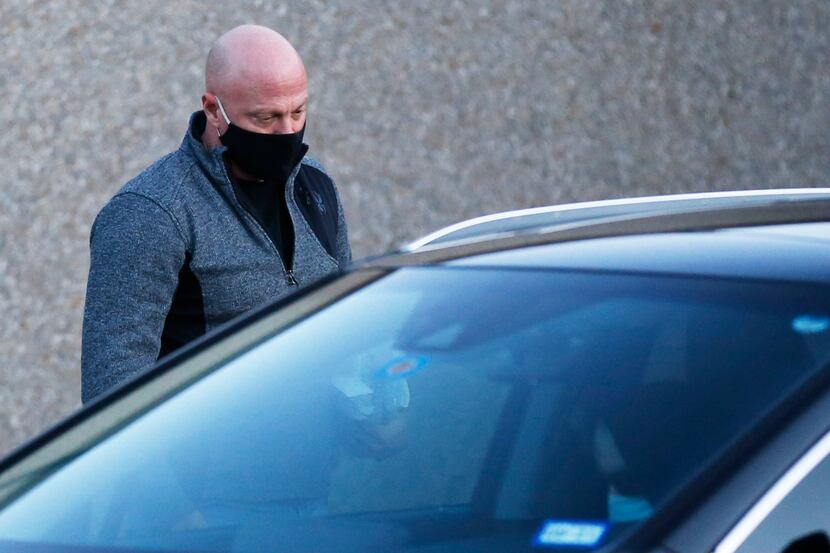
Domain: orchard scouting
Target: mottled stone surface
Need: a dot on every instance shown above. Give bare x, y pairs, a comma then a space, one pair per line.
425, 112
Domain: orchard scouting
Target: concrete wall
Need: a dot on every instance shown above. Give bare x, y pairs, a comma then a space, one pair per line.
425, 113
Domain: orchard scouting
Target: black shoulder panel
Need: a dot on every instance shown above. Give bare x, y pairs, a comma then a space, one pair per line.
315, 195
186, 319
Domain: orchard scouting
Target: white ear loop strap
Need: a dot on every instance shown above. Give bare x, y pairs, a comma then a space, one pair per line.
222, 109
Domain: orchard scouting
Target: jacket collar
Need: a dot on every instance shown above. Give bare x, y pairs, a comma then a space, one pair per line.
211, 161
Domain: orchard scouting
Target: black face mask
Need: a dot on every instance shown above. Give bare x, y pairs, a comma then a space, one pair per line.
264, 155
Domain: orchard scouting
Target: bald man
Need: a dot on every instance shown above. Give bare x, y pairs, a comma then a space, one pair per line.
235, 218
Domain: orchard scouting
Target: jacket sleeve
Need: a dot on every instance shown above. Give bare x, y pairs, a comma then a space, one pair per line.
136, 252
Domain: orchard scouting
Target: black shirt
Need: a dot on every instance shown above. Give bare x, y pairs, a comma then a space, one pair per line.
266, 202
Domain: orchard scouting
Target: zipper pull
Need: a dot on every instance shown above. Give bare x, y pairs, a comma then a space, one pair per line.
292, 280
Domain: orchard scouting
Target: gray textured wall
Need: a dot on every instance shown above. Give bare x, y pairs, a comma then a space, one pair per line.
425, 112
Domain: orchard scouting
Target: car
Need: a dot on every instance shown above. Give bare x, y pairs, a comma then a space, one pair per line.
646, 374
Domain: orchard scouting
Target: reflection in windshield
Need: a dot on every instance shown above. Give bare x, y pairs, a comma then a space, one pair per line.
489, 409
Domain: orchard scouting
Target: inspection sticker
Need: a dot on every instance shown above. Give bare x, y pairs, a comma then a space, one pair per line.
570, 533
811, 324
402, 367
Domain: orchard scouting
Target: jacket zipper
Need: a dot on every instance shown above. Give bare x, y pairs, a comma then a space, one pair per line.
289, 272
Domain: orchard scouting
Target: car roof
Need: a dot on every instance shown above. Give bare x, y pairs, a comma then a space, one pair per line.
782, 252
780, 234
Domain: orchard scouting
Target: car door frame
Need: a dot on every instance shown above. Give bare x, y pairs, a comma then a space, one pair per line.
712, 524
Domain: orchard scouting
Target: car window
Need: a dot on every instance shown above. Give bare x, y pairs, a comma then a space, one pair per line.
445, 408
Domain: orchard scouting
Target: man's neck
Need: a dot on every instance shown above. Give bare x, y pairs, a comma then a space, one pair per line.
210, 137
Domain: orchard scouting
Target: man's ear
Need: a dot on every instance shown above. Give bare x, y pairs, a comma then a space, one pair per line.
211, 109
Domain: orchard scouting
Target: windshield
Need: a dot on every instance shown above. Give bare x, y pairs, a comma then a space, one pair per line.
443, 409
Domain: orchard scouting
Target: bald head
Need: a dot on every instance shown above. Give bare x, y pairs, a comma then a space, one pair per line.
248, 54
261, 82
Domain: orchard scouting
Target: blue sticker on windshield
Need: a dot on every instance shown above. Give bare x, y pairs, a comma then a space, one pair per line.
570, 533
402, 367
811, 324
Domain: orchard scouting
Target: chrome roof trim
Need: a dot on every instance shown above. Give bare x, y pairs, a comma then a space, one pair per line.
805, 210
413, 246
756, 515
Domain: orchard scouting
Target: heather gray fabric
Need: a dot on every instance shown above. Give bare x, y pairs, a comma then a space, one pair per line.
183, 207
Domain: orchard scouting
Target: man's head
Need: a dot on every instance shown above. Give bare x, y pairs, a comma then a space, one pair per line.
260, 80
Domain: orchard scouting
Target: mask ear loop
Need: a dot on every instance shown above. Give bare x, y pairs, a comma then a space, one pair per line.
225, 115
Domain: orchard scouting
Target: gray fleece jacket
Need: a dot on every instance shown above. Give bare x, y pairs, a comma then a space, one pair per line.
175, 254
